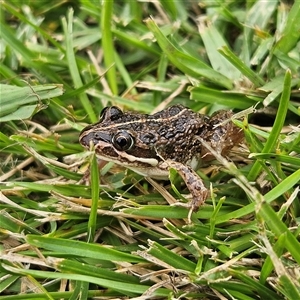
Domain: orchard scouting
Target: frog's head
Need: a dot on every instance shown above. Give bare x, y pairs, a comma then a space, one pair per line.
123, 138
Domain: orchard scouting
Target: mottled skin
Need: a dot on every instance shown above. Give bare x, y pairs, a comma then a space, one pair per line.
151, 144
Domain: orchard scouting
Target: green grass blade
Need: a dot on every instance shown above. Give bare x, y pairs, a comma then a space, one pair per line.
278, 124
80, 249
170, 257
278, 227
15, 100
29, 58
107, 44
290, 34
111, 284
95, 198
241, 66
68, 31
213, 40
186, 63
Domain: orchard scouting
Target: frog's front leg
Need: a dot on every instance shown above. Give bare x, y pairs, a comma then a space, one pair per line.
192, 180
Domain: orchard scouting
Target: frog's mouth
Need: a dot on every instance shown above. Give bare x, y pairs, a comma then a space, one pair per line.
108, 152
142, 165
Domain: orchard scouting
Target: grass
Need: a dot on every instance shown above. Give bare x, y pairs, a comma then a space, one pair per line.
63, 235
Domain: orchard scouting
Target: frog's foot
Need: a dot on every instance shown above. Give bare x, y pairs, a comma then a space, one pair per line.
198, 190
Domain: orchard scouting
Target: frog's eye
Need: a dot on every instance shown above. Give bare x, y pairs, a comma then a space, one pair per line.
123, 141
112, 113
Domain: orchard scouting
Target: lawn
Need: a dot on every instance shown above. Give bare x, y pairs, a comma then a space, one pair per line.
73, 227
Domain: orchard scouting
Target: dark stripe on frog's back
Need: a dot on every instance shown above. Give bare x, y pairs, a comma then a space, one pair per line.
136, 122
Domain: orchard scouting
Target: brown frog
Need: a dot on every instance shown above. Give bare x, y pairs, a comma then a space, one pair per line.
152, 144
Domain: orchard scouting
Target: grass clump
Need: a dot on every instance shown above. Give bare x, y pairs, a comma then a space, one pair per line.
61, 63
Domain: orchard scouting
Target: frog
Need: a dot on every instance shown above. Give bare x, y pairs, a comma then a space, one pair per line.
152, 144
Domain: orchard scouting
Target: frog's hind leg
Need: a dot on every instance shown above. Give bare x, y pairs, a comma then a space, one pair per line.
193, 182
